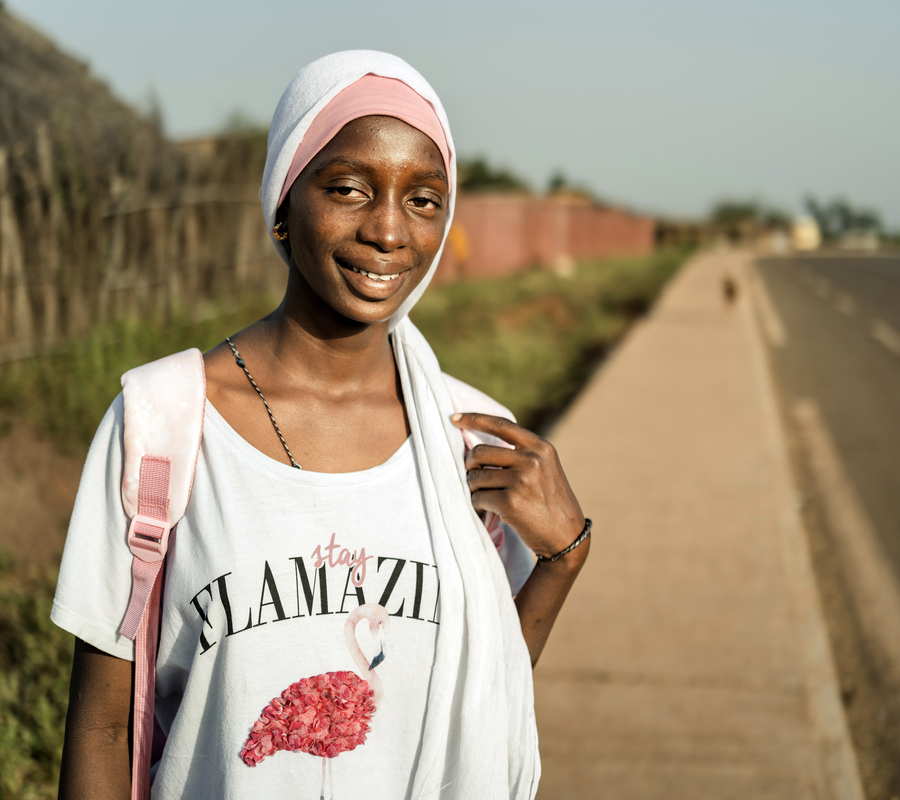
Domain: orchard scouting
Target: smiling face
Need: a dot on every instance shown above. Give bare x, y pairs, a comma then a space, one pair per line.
366, 217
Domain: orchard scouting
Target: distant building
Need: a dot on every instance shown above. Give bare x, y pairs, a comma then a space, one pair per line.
805, 234
866, 240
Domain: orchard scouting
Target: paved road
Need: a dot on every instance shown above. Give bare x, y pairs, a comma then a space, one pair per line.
834, 336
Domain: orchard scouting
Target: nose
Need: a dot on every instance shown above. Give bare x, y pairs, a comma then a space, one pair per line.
385, 225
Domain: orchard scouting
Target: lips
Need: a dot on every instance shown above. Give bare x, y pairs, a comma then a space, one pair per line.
374, 275
380, 274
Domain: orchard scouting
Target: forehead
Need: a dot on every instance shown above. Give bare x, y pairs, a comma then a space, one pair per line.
381, 141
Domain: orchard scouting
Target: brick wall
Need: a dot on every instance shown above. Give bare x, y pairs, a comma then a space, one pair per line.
501, 234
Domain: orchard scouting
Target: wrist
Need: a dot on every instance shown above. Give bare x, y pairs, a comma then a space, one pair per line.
582, 537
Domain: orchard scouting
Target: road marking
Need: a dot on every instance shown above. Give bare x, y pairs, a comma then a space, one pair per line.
845, 304
835, 775
884, 333
875, 587
772, 324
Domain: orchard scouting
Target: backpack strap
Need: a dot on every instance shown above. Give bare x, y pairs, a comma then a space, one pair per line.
164, 407
468, 399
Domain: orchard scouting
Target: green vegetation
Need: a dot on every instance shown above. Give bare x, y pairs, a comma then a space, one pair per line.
35, 658
730, 214
840, 217
477, 175
529, 340
67, 393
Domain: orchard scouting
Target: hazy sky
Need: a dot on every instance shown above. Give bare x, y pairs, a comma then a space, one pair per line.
664, 106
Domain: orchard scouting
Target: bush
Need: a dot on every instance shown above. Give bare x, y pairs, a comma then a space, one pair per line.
35, 659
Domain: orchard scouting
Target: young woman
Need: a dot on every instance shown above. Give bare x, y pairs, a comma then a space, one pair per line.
333, 488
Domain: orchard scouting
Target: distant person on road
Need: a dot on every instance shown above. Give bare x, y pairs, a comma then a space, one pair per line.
276, 566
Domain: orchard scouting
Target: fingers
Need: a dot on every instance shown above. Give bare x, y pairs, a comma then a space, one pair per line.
486, 455
496, 500
487, 479
496, 426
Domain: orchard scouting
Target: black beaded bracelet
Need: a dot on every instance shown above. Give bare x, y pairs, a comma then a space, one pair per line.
581, 537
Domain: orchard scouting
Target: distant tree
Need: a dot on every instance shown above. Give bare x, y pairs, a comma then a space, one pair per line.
775, 218
241, 125
737, 213
475, 174
839, 217
730, 213
557, 182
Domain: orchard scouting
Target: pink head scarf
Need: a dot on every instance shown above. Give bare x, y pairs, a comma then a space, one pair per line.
371, 95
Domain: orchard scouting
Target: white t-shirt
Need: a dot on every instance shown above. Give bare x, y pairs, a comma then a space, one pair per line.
263, 574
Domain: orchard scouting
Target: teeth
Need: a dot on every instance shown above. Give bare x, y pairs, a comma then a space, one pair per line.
374, 276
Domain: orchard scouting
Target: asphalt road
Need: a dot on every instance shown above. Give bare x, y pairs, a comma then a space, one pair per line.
833, 325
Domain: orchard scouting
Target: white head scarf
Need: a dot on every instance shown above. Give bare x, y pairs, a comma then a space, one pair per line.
313, 88
479, 739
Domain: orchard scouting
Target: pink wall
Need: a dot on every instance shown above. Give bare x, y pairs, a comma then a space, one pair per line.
501, 234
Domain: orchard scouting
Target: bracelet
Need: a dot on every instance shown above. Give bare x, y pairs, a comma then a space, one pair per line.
581, 537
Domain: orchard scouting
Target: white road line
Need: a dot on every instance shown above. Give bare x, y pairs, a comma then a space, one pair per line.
845, 304
884, 333
837, 775
772, 324
875, 587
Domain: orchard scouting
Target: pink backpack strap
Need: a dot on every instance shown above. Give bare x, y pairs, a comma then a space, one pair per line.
164, 407
468, 399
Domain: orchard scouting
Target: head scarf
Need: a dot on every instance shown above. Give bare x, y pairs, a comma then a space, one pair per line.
306, 97
370, 95
479, 737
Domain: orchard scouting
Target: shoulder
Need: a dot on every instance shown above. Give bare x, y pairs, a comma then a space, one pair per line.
467, 399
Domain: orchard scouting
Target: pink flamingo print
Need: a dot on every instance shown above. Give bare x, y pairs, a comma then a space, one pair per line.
324, 715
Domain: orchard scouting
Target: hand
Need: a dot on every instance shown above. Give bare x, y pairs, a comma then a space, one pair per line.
526, 486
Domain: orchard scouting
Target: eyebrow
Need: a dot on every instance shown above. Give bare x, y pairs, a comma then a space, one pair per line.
363, 167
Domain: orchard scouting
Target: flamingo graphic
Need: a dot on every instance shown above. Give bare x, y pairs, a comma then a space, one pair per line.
324, 715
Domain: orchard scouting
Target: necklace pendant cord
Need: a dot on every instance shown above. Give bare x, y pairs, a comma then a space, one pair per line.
243, 366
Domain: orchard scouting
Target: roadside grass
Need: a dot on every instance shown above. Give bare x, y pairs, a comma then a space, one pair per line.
35, 659
532, 340
67, 393
529, 340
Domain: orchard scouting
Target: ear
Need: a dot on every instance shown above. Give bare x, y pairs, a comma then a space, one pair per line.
281, 211
281, 215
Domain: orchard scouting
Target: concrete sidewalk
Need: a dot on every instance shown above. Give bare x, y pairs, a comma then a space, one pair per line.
691, 659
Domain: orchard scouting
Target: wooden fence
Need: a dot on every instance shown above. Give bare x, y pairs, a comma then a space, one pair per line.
68, 263
184, 228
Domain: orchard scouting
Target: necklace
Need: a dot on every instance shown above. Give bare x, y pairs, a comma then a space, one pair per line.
243, 366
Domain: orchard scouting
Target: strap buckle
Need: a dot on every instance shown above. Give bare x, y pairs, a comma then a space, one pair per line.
148, 538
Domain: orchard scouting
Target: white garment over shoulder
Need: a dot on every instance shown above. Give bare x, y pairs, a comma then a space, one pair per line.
262, 575
479, 736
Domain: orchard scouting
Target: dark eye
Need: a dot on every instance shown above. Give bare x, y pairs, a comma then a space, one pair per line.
346, 191
425, 202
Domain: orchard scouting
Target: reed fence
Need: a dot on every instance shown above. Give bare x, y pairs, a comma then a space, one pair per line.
154, 230
78, 250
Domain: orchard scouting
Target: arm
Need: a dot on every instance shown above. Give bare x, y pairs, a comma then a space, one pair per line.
528, 489
96, 762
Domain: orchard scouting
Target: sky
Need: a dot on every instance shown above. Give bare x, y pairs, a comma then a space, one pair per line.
665, 107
